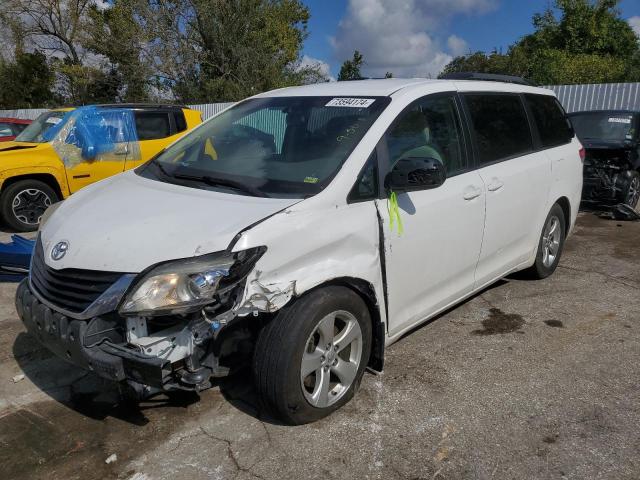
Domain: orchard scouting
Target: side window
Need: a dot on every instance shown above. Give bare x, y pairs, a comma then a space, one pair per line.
366, 187
152, 125
181, 122
552, 123
430, 129
5, 130
500, 125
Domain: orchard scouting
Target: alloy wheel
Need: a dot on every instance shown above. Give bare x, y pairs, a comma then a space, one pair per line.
551, 241
331, 359
633, 195
29, 205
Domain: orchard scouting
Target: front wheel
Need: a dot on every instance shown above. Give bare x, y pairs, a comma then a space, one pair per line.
631, 190
550, 245
23, 203
310, 359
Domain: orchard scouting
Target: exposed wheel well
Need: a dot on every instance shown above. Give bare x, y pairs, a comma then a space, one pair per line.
366, 291
566, 209
43, 177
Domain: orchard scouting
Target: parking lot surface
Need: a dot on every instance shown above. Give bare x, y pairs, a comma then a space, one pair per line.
529, 379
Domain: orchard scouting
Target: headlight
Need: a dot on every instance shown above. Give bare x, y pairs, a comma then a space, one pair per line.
185, 286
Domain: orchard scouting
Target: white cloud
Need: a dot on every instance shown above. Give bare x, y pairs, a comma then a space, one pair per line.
402, 36
635, 24
322, 66
457, 46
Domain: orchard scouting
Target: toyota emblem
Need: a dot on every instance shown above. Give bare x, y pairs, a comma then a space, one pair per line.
59, 250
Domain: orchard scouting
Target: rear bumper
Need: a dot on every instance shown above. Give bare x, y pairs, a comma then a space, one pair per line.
69, 339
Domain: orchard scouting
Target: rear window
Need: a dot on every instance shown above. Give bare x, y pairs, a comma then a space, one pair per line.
552, 123
152, 125
603, 126
500, 125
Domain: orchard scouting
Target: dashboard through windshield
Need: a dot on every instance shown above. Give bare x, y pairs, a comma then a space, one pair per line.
275, 146
34, 133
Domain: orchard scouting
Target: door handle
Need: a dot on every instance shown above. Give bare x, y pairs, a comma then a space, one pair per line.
471, 192
495, 185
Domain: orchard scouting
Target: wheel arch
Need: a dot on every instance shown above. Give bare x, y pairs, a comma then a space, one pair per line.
565, 204
47, 178
366, 291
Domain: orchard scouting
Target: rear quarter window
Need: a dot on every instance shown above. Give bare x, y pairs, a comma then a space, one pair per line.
181, 122
152, 125
551, 121
500, 125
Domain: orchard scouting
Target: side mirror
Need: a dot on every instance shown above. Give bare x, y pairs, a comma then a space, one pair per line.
94, 142
415, 173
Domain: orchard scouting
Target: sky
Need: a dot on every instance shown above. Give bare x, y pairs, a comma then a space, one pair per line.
418, 37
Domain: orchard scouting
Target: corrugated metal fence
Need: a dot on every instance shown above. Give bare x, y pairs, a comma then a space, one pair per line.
607, 96
624, 96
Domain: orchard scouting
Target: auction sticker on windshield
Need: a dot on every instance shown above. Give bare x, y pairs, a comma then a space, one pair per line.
619, 120
351, 102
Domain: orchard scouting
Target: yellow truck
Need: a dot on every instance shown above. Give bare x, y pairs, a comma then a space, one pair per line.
67, 149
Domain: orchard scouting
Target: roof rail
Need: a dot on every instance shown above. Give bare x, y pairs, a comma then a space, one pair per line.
487, 77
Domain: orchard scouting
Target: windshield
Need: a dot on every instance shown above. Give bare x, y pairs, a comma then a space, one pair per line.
606, 126
34, 132
278, 147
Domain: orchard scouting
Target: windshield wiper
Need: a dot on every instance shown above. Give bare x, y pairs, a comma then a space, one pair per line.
221, 182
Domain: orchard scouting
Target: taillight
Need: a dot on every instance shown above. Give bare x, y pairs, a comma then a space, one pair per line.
583, 153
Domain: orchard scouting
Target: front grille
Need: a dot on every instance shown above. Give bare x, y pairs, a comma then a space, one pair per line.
71, 289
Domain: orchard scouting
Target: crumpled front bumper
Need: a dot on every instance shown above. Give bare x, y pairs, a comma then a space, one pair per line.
67, 338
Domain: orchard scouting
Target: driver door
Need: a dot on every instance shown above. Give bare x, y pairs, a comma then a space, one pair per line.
114, 129
432, 263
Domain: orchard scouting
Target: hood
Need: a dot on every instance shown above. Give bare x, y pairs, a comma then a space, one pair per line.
127, 223
13, 146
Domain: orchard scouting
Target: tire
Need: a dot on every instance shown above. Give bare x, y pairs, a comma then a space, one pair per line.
302, 331
631, 190
35, 197
550, 245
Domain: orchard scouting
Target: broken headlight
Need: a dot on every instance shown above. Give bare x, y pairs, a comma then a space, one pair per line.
184, 286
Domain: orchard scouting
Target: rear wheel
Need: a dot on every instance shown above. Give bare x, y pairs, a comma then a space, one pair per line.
550, 245
23, 203
310, 359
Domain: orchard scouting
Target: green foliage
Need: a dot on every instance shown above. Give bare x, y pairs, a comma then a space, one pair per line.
587, 43
83, 85
184, 50
124, 54
228, 50
350, 69
26, 82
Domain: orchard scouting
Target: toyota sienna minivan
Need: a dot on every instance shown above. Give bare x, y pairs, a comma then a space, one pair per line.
301, 232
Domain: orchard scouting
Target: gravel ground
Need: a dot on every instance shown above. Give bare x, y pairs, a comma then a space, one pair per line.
526, 380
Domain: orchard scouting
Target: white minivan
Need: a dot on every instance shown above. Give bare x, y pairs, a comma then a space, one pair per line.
301, 232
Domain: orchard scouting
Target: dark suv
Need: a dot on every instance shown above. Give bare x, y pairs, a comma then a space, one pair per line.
612, 164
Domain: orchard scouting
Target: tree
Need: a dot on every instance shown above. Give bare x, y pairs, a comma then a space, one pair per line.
54, 26
221, 50
26, 82
126, 56
350, 69
587, 42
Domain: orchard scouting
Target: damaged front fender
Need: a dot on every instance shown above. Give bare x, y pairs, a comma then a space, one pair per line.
309, 247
